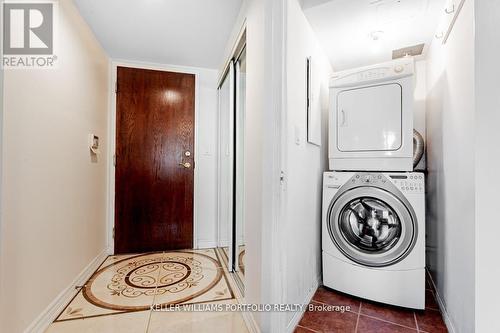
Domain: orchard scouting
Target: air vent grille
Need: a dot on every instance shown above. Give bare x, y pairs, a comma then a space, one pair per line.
414, 50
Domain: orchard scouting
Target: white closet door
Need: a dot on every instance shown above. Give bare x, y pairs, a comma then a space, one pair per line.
369, 118
240, 162
226, 158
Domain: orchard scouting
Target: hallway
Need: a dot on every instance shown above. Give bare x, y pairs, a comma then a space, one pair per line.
249, 166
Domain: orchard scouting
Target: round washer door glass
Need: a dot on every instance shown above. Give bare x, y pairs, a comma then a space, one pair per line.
371, 226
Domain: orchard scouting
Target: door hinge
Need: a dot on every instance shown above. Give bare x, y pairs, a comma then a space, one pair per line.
113, 232
114, 160
116, 87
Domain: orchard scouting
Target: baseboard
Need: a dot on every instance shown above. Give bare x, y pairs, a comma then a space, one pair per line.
250, 322
442, 307
223, 243
298, 315
205, 244
43, 321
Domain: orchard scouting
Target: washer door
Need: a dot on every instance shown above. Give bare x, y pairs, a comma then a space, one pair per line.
371, 226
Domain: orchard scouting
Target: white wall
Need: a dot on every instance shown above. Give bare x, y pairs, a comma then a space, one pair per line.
206, 168
253, 175
53, 195
487, 73
420, 104
304, 164
450, 160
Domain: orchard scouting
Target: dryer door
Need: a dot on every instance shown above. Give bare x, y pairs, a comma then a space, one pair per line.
370, 118
371, 226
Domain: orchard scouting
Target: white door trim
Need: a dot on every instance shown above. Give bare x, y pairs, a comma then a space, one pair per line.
114, 63
276, 174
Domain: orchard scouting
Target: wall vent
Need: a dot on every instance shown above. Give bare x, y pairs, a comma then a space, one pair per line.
414, 50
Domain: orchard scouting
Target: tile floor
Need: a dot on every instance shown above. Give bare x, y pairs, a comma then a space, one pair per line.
119, 295
370, 317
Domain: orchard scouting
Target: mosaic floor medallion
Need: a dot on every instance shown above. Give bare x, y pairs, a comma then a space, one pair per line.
134, 283
171, 278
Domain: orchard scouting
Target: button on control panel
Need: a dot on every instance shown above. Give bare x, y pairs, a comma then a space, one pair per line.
399, 69
377, 73
369, 179
410, 183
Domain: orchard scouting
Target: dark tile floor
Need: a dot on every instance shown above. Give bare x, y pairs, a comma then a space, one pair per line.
370, 317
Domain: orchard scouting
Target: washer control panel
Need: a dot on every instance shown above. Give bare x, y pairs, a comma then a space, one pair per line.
369, 179
409, 182
406, 182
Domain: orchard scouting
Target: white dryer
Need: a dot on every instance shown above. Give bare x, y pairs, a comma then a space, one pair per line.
371, 118
373, 236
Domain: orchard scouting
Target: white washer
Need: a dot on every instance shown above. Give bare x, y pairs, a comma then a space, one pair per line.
373, 236
371, 118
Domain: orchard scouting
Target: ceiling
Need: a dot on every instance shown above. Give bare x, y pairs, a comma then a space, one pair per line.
363, 32
178, 32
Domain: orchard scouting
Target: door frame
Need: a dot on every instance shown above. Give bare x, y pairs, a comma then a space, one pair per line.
111, 146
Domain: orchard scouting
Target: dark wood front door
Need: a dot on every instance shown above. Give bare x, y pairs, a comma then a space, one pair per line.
154, 160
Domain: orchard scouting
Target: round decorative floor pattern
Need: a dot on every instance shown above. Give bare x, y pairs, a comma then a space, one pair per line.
135, 283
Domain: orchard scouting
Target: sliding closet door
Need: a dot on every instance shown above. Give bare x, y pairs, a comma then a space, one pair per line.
239, 166
232, 102
226, 167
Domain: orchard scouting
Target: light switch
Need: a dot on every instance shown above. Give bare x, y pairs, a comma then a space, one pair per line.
94, 143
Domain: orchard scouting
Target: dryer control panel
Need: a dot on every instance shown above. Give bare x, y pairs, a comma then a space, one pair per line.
409, 182
388, 71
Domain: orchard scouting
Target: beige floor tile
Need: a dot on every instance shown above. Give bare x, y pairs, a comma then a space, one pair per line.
223, 256
187, 322
222, 290
203, 285
132, 322
81, 308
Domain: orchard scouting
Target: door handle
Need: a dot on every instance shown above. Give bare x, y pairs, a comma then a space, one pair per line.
343, 118
187, 165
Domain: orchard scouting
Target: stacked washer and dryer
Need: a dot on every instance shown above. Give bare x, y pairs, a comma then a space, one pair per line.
373, 234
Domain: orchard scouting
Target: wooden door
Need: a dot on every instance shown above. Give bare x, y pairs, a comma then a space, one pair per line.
154, 174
